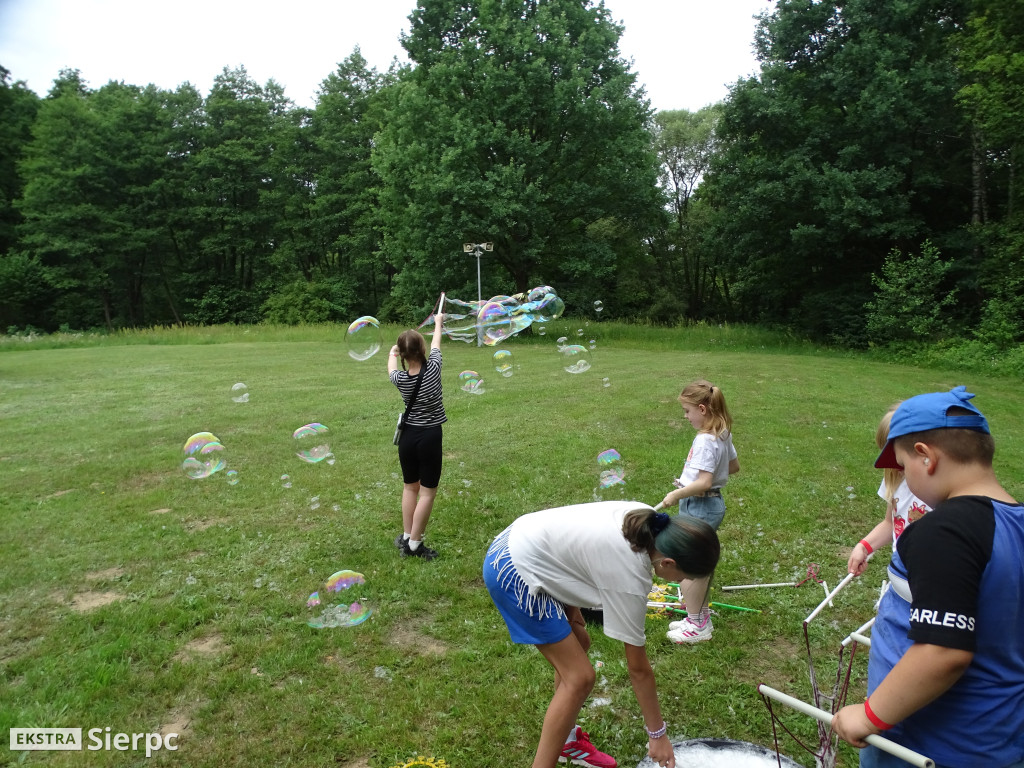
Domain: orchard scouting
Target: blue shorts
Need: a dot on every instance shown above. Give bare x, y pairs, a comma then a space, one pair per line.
873, 757
710, 509
531, 619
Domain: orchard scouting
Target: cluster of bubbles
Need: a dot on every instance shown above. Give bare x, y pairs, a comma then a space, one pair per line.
312, 449
610, 463
204, 455
363, 338
340, 602
500, 317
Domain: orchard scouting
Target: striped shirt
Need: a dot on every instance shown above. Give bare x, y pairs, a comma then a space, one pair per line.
428, 410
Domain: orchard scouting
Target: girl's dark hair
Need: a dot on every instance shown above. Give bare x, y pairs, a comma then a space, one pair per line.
412, 346
692, 543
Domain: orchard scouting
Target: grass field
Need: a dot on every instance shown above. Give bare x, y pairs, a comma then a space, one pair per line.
135, 598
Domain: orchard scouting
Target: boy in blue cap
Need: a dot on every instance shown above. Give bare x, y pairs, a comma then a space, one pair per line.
946, 670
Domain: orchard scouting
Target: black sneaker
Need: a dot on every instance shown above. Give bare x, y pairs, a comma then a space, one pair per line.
400, 542
422, 551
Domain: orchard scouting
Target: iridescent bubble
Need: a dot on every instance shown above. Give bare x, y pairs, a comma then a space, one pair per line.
542, 330
286, 481
592, 344
495, 321
606, 382
562, 341
340, 602
363, 338
232, 476
540, 293
598, 306
579, 331
240, 393
575, 358
503, 362
204, 455
311, 450
611, 468
470, 381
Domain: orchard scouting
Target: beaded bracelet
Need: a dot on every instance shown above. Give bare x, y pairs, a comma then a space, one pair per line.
868, 547
875, 719
658, 733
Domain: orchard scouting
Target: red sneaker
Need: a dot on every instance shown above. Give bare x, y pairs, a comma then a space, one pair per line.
580, 751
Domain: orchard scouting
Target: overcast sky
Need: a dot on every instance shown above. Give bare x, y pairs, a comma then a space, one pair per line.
685, 52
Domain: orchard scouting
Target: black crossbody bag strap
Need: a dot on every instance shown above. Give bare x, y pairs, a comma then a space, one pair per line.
415, 391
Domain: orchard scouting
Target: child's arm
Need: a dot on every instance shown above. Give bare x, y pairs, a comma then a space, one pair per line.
698, 486
435, 340
642, 677
734, 466
393, 359
880, 536
923, 674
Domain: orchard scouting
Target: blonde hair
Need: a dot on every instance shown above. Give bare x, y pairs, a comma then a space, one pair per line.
717, 420
892, 476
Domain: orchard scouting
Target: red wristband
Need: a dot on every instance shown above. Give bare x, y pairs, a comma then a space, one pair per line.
875, 719
868, 547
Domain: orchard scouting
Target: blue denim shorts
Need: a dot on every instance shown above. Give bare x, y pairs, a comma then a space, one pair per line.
531, 619
710, 509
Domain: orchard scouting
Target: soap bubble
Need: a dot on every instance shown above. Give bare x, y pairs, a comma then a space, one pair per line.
500, 317
503, 362
611, 468
598, 306
542, 331
575, 358
286, 481
340, 602
606, 382
470, 381
579, 331
240, 393
561, 341
232, 476
311, 450
204, 455
592, 344
363, 338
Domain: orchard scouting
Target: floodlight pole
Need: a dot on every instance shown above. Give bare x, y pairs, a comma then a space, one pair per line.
477, 250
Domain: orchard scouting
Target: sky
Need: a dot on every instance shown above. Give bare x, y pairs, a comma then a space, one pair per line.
685, 52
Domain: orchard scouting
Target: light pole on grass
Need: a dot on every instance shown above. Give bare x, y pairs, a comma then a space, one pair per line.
478, 249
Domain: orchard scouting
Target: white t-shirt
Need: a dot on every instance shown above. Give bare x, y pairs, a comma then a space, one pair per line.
710, 454
908, 508
578, 555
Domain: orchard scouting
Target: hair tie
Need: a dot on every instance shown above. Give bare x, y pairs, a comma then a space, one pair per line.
659, 522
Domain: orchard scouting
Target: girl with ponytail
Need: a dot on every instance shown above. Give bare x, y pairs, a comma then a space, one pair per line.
547, 565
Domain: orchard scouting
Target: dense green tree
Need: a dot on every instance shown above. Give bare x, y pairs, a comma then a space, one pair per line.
521, 125
848, 144
689, 278
18, 107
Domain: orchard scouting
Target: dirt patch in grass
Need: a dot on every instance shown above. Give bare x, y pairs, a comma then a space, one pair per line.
202, 525
178, 721
87, 601
163, 511
59, 493
410, 638
210, 645
109, 574
361, 762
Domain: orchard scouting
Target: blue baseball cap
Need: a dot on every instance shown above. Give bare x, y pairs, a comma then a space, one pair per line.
931, 411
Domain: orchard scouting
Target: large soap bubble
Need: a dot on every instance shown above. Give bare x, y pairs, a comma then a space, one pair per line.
240, 393
363, 338
503, 362
340, 602
610, 463
575, 358
312, 445
500, 317
204, 455
470, 381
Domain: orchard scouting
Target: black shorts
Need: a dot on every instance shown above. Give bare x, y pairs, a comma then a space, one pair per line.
419, 451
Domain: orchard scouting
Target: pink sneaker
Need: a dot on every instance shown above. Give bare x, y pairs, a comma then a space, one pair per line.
686, 631
580, 751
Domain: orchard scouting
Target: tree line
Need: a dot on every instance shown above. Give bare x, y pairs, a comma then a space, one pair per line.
860, 188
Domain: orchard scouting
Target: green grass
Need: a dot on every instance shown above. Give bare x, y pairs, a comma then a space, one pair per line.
211, 579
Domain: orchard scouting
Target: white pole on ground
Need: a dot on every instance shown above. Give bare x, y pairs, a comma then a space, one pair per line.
828, 597
891, 747
753, 586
